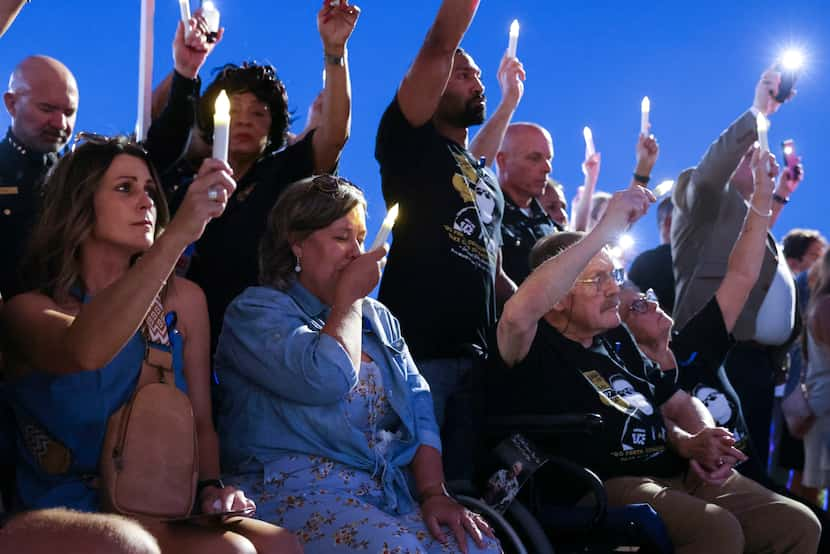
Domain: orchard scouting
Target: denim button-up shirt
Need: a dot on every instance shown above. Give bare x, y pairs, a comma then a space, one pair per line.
283, 385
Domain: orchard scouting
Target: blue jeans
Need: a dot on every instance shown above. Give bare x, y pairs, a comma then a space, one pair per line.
451, 381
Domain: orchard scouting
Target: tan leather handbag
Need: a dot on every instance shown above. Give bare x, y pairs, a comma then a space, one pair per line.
149, 465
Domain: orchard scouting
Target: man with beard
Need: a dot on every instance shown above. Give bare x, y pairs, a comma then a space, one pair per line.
42, 100
444, 265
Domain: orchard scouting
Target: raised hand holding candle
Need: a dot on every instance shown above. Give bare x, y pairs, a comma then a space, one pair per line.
221, 126
590, 150
645, 108
386, 228
763, 131
513, 43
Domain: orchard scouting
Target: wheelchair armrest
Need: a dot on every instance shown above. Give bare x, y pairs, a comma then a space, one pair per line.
592, 481
533, 425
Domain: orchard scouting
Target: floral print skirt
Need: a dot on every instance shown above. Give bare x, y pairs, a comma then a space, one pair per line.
334, 508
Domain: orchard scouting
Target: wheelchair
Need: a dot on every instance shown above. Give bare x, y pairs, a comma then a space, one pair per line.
533, 522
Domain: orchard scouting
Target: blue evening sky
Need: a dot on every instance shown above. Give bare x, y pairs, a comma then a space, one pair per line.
587, 63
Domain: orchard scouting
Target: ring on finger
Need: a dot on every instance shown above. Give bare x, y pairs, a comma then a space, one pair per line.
213, 194
721, 462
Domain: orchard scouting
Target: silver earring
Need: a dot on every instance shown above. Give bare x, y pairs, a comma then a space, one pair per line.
297, 267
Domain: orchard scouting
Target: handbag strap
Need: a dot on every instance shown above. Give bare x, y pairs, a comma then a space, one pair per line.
158, 354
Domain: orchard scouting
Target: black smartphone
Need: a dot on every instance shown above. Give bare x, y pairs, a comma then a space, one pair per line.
788, 79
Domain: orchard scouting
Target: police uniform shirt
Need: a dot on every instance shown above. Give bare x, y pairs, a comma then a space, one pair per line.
21, 177
519, 232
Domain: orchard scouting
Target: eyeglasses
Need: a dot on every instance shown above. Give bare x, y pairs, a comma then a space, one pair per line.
641, 304
617, 276
332, 184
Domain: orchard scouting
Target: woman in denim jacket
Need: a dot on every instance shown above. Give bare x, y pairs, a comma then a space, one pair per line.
322, 411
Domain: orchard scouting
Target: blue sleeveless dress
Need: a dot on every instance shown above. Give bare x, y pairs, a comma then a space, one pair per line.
73, 410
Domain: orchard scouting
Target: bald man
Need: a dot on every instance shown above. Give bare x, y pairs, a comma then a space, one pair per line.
42, 100
524, 162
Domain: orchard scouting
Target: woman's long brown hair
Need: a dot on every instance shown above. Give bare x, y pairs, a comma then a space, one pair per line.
52, 261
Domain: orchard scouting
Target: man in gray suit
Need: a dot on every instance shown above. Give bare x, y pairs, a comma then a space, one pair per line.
709, 209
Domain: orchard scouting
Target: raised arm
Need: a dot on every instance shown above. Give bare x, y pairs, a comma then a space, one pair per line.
335, 24
424, 83
174, 100
489, 138
581, 205
744, 266
53, 341
552, 280
788, 181
709, 179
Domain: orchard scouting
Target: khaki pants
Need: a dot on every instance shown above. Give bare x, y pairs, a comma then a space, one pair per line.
738, 516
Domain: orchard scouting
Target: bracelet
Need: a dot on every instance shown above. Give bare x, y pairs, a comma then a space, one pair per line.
427, 493
780, 199
331, 59
642, 179
757, 211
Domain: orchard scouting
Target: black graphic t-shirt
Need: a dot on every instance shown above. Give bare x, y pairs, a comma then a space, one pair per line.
700, 349
611, 378
440, 277
519, 232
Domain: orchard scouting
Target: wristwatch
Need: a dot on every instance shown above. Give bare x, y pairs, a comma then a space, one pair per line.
331, 59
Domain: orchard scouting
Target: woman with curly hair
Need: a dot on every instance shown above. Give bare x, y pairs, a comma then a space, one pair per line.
225, 259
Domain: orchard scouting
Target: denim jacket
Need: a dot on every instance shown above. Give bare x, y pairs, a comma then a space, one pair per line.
283, 385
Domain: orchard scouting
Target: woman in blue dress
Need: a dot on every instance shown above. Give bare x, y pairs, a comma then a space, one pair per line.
323, 415
75, 344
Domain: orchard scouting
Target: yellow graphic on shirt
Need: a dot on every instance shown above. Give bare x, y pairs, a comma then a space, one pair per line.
461, 186
463, 163
607, 394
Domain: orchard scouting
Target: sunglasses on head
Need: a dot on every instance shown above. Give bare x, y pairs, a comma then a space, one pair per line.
121, 141
331, 184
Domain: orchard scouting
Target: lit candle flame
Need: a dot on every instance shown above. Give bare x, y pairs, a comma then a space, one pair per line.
590, 149
792, 59
513, 42
221, 126
645, 108
663, 188
386, 228
763, 128
222, 106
